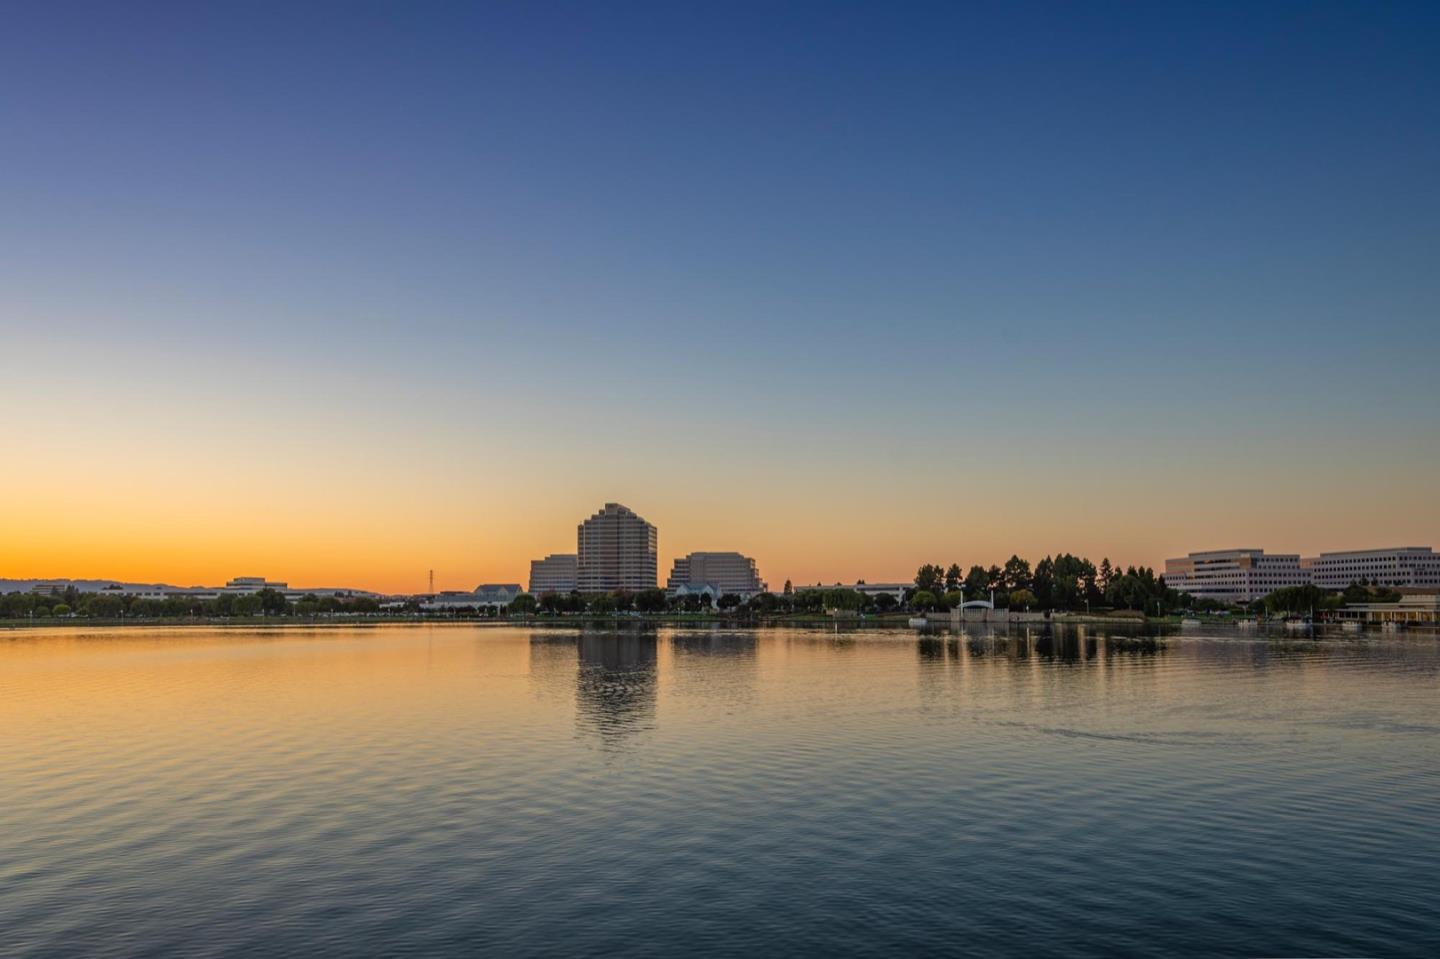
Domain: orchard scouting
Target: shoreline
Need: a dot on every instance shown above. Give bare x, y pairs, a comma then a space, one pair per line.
899, 622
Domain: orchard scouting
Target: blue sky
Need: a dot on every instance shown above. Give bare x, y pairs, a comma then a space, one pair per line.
1096, 239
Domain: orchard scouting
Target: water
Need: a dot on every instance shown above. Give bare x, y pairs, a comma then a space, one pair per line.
440, 789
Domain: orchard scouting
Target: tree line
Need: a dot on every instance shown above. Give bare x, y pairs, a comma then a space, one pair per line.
1313, 599
110, 605
1063, 582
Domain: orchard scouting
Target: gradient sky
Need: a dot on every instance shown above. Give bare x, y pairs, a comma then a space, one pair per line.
339, 293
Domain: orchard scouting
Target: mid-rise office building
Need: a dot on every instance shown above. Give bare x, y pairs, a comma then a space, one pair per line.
1402, 566
724, 572
556, 573
1234, 575
617, 550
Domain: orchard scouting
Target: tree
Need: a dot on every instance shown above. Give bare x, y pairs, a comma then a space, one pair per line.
810, 600
1301, 599
841, 598
977, 582
885, 602
273, 602
929, 578
763, 603
1016, 574
953, 578
729, 601
1043, 585
923, 599
1140, 589
789, 588
650, 601
1361, 593
951, 599
101, 606
524, 604
1023, 599
60, 609
1102, 581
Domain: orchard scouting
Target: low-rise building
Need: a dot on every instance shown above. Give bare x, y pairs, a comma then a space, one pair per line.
1415, 609
556, 573
239, 586
873, 590
496, 594
484, 596
1234, 575
1401, 566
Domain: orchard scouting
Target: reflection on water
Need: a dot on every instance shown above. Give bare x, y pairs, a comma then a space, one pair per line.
615, 686
459, 789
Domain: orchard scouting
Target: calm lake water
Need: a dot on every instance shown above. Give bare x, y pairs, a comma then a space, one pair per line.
433, 789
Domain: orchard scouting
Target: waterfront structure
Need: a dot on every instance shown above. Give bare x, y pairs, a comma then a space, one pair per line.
1234, 575
1401, 566
723, 572
1415, 609
616, 550
556, 573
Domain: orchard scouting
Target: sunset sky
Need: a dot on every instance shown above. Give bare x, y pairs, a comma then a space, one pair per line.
340, 293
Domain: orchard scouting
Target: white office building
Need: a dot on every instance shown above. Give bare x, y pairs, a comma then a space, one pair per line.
1401, 566
1234, 575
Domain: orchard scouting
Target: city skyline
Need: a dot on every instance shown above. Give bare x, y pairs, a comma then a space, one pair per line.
539, 477
525, 568
344, 295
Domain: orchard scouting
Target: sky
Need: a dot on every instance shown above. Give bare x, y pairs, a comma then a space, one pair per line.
341, 293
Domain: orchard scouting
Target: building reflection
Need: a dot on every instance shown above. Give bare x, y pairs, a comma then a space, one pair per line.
616, 690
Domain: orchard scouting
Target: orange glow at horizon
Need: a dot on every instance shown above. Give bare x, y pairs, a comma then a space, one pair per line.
154, 491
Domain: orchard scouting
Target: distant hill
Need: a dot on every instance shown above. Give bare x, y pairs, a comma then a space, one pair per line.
83, 585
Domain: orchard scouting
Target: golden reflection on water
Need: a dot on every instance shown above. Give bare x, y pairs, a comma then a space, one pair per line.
200, 686
413, 787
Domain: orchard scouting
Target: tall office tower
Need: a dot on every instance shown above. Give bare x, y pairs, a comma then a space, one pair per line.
617, 551
1234, 575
